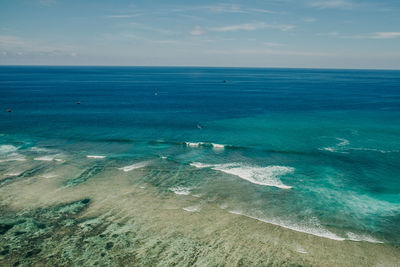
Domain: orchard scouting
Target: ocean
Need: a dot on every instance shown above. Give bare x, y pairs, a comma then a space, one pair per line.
310, 151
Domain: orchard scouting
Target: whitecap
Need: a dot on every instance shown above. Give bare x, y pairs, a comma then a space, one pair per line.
193, 144
192, 208
95, 157
180, 190
218, 146
343, 142
134, 166
316, 229
5, 149
267, 176
330, 149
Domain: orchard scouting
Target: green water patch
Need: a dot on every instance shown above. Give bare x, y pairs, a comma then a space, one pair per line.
171, 174
86, 175
27, 173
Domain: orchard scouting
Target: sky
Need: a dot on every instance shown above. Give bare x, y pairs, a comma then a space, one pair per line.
253, 33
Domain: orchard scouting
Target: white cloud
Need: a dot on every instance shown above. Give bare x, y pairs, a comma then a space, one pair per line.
374, 35
310, 20
122, 16
323, 4
260, 10
253, 27
266, 52
197, 31
225, 8
385, 35
20, 46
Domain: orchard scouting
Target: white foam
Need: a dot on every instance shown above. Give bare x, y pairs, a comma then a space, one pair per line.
193, 144
163, 157
362, 237
45, 158
375, 150
330, 149
180, 190
218, 146
4, 149
134, 166
200, 165
14, 157
49, 175
343, 142
192, 208
338, 147
12, 174
316, 230
40, 149
301, 250
95, 157
267, 176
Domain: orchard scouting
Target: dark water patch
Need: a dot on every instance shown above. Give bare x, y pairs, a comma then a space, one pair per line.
73, 207
5, 250
109, 245
115, 140
5, 227
28, 173
86, 175
33, 252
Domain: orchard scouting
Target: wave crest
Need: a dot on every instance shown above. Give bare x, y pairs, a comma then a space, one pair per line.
268, 176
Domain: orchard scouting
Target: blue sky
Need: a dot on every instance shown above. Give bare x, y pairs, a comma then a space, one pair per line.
253, 33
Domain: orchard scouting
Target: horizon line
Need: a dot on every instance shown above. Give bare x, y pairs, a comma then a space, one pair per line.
196, 66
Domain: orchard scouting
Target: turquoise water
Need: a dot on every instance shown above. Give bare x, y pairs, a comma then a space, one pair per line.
315, 151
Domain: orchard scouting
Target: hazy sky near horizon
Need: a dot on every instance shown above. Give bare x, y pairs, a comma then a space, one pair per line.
252, 33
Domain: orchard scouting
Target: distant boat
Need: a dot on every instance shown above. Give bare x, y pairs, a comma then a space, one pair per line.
79, 102
8, 110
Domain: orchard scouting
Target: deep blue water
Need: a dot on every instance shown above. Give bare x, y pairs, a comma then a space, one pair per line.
333, 136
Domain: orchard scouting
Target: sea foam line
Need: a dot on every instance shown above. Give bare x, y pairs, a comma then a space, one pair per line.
359, 238
317, 231
134, 166
95, 157
267, 176
180, 190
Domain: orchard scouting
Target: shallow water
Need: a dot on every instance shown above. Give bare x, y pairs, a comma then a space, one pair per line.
172, 166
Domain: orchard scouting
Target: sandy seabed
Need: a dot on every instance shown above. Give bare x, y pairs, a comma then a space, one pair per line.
103, 216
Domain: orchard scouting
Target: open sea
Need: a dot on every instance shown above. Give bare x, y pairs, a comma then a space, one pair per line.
315, 151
